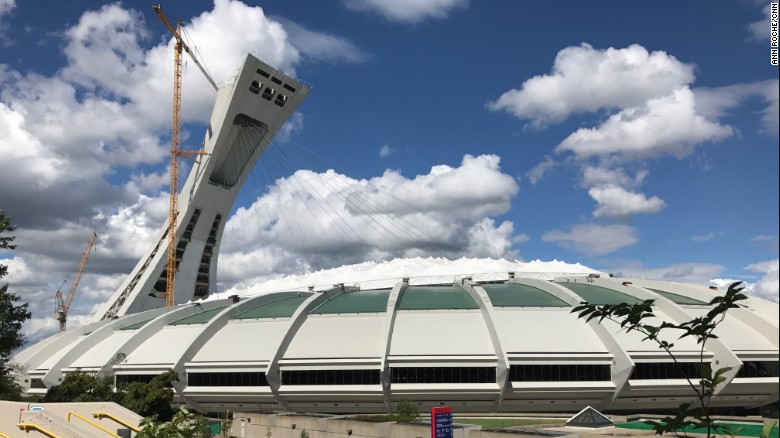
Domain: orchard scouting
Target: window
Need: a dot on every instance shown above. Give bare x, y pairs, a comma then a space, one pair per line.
130, 378
666, 370
263, 73
331, 377
443, 375
227, 379
559, 373
759, 369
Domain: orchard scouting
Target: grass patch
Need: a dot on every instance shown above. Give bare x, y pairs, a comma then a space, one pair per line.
489, 423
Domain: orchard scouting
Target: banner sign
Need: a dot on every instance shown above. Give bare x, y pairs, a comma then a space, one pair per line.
441, 422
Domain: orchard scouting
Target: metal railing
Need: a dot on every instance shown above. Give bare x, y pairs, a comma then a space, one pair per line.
92, 423
101, 415
27, 427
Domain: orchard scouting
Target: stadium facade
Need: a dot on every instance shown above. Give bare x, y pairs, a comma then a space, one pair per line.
508, 345
497, 342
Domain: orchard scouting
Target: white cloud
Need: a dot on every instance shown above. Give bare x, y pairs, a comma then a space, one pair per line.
707, 237
406, 11
759, 30
604, 176
766, 287
594, 239
322, 46
694, 273
617, 202
386, 151
329, 219
68, 139
716, 103
585, 79
665, 125
537, 173
6, 6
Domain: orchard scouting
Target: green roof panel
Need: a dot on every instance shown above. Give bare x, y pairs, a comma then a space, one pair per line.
435, 298
281, 308
599, 295
135, 326
678, 299
366, 301
198, 318
521, 295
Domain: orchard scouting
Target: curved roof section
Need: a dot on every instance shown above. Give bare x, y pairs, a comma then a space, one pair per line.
367, 301
199, 318
598, 295
677, 298
436, 298
521, 295
281, 308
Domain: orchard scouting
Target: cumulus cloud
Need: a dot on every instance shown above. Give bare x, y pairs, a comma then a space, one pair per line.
585, 79
617, 202
537, 173
406, 11
766, 287
594, 239
69, 139
664, 125
329, 219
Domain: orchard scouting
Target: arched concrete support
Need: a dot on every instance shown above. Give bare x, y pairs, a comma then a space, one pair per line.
28, 362
54, 375
750, 316
479, 295
216, 324
622, 365
387, 338
273, 375
722, 355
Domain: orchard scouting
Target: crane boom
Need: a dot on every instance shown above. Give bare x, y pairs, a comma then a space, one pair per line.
63, 306
170, 287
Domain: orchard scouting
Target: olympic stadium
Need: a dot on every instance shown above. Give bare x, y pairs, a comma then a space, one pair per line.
487, 337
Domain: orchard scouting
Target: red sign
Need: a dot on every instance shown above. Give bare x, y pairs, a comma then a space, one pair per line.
441, 422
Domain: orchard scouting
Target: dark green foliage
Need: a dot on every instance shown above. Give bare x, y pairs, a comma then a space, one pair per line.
82, 387
407, 411
11, 318
183, 424
632, 317
151, 399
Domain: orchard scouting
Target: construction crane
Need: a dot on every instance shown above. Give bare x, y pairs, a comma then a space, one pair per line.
63, 306
175, 152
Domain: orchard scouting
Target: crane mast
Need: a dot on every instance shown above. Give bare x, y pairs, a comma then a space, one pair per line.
175, 152
63, 306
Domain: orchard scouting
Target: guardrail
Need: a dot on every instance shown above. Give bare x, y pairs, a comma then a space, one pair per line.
92, 423
27, 427
101, 415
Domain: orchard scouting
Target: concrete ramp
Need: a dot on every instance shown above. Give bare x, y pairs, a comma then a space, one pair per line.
53, 419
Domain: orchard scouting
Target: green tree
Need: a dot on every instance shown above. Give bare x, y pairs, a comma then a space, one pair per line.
151, 399
407, 411
183, 424
82, 387
634, 317
11, 318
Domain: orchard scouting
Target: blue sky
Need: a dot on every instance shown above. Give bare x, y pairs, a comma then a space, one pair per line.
635, 139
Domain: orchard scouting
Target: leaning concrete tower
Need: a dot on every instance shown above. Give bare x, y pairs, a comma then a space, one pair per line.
247, 115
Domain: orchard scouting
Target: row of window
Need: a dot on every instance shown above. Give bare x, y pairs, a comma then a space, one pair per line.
759, 369
227, 379
559, 373
443, 375
331, 377
517, 373
666, 370
130, 378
